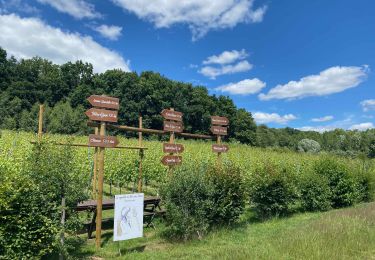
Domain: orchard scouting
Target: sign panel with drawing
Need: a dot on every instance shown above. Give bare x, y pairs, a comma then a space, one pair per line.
128, 216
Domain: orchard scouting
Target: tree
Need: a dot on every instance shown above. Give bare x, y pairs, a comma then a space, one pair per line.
308, 145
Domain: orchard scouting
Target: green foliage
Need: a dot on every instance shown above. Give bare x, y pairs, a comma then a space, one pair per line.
272, 190
308, 145
198, 198
340, 181
27, 221
315, 194
186, 196
228, 193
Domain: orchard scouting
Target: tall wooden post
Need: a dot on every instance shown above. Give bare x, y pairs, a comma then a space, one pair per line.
40, 123
171, 141
218, 141
140, 155
95, 177
99, 206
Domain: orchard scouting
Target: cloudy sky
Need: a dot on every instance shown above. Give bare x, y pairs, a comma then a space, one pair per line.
303, 64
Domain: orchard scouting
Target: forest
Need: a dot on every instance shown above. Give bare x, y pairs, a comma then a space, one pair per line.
26, 83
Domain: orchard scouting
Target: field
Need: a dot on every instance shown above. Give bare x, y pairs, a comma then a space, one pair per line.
337, 234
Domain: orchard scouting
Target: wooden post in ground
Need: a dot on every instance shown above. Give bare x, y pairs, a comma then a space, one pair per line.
140, 155
40, 123
95, 177
99, 206
171, 141
218, 141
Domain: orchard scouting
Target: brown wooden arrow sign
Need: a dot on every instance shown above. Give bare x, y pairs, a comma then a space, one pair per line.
104, 115
170, 160
173, 148
219, 120
104, 102
220, 148
171, 126
219, 130
172, 115
103, 141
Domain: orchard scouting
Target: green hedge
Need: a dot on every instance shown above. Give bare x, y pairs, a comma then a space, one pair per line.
198, 198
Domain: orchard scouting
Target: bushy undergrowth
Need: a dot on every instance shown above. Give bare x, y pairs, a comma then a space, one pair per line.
315, 194
272, 190
30, 203
199, 198
341, 182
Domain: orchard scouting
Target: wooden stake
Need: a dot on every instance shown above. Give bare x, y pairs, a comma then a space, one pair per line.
140, 155
171, 141
99, 206
94, 178
219, 154
40, 123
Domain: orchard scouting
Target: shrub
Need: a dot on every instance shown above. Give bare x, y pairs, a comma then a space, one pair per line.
27, 228
227, 195
272, 190
341, 183
198, 198
186, 197
315, 194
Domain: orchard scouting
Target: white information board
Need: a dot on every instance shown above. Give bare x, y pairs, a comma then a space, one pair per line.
128, 216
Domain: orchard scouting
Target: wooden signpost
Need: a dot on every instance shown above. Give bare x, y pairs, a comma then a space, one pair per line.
172, 124
170, 114
173, 148
170, 160
219, 120
102, 141
219, 128
102, 115
220, 148
104, 102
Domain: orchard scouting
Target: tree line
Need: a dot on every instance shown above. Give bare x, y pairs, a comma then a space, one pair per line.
26, 83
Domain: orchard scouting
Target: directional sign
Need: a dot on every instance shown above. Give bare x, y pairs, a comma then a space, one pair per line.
102, 115
172, 115
219, 120
219, 130
104, 102
220, 148
171, 126
171, 160
103, 141
173, 148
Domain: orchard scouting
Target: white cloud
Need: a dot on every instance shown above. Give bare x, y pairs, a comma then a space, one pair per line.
362, 126
6, 6
332, 80
226, 57
263, 118
213, 72
243, 87
200, 15
76, 8
111, 32
29, 37
322, 119
368, 104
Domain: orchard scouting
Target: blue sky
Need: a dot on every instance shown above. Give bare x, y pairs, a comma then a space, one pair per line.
302, 64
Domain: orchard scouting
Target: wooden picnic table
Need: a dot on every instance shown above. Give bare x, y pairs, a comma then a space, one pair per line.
150, 210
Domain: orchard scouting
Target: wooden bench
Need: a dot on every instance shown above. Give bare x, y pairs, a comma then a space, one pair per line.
151, 209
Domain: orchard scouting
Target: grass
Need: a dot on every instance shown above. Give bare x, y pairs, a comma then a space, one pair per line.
338, 234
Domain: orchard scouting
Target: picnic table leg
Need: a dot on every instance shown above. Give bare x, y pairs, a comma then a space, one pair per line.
91, 226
